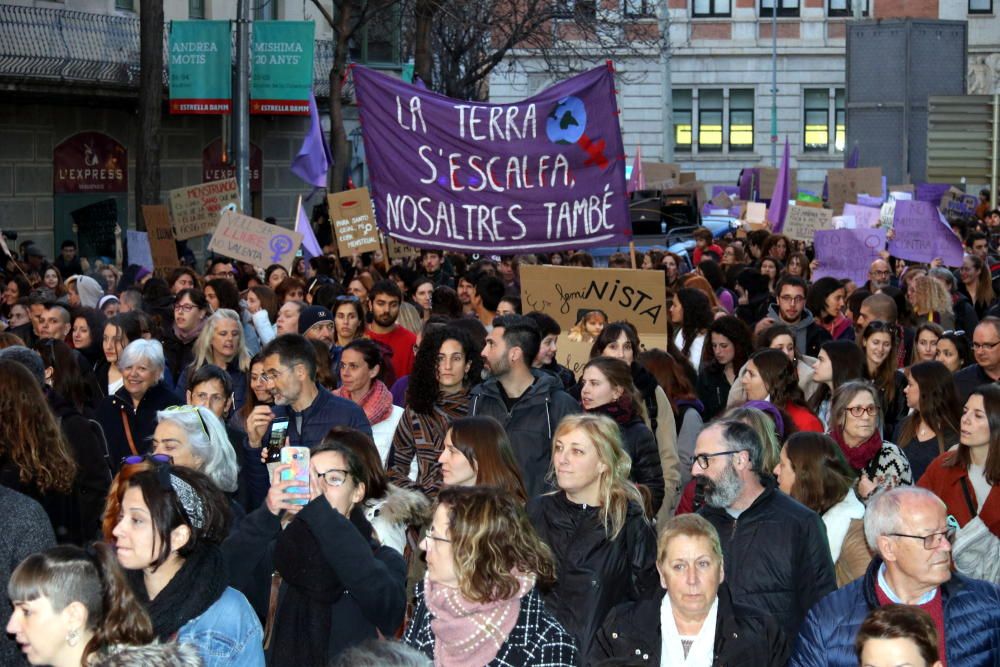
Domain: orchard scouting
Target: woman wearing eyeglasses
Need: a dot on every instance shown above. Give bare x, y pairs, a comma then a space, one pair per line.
190, 311
967, 479
338, 585
880, 342
221, 343
478, 603
170, 523
855, 421
604, 547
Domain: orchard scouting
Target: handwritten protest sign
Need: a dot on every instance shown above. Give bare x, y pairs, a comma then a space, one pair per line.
540, 175
767, 177
921, 235
623, 294
956, 203
847, 253
137, 244
194, 210
574, 355
399, 250
802, 222
865, 217
353, 222
160, 235
846, 184
254, 241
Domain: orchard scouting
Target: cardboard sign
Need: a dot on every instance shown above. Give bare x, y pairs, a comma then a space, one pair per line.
847, 184
721, 200
922, 235
254, 241
847, 253
574, 355
353, 222
622, 294
138, 249
194, 210
767, 178
399, 250
661, 174
865, 217
95, 228
756, 215
160, 234
956, 203
802, 222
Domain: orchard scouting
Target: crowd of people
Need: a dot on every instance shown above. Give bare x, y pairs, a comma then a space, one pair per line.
362, 461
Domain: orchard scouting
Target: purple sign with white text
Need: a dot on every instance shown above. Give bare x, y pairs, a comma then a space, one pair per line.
920, 234
540, 175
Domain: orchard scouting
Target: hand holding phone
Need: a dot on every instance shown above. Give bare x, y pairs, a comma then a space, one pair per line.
258, 421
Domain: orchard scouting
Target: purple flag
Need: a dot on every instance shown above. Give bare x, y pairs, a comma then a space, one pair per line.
779, 198
637, 180
539, 175
853, 159
314, 159
920, 234
310, 246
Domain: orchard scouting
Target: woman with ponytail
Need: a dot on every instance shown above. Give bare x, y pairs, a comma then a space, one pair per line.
73, 607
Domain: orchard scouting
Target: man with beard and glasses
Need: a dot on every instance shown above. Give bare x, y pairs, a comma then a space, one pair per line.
383, 304
776, 554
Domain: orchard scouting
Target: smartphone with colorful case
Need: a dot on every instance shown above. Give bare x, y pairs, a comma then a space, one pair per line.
298, 458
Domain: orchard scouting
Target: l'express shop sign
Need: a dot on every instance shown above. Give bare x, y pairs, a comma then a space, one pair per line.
89, 162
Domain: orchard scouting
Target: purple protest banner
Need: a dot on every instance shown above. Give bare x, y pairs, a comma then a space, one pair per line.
847, 253
920, 234
931, 192
543, 174
865, 217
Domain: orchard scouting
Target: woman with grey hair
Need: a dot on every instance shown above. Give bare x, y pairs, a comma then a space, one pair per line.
193, 437
128, 416
222, 344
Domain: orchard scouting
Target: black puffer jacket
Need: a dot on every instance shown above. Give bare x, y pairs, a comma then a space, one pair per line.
744, 636
713, 390
594, 573
640, 444
141, 420
776, 554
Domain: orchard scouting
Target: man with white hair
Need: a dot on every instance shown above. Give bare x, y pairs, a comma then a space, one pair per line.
909, 530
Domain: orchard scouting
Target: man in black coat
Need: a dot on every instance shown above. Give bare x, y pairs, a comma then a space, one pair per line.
986, 349
776, 554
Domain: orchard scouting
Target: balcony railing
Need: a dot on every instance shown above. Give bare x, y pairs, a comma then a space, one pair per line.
57, 45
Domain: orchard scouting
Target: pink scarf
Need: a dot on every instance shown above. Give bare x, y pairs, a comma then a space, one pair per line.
471, 633
377, 403
188, 336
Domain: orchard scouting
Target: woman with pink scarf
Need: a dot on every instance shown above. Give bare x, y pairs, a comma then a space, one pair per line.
362, 380
478, 604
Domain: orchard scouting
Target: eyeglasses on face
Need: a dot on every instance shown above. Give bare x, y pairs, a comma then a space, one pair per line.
880, 274
788, 298
703, 459
434, 538
332, 477
272, 375
185, 307
933, 541
860, 410
978, 347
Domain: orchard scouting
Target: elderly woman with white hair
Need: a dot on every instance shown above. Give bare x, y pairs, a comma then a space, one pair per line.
128, 416
221, 343
193, 437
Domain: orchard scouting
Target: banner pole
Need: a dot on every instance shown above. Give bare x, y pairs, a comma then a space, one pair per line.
631, 251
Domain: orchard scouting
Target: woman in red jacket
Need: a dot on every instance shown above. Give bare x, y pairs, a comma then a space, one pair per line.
967, 479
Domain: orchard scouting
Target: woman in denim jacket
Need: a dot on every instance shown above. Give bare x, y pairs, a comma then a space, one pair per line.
170, 522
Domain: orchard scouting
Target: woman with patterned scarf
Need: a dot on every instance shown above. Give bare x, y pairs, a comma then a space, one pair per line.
478, 604
444, 369
607, 389
362, 375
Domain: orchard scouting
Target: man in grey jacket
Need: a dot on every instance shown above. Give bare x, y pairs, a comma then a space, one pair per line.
527, 402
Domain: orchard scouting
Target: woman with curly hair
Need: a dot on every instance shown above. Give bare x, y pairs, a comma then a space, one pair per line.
730, 343
931, 301
595, 525
690, 318
35, 458
478, 604
443, 371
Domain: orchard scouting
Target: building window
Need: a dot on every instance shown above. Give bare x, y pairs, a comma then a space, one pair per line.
710, 120
785, 7
578, 9
817, 119
125, 5
840, 120
980, 6
377, 41
196, 9
741, 120
640, 9
713, 8
265, 10
682, 120
846, 7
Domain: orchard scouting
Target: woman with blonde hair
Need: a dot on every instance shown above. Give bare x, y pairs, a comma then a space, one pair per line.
932, 302
221, 343
595, 526
478, 603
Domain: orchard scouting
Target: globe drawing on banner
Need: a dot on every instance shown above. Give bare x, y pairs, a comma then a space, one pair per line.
567, 122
